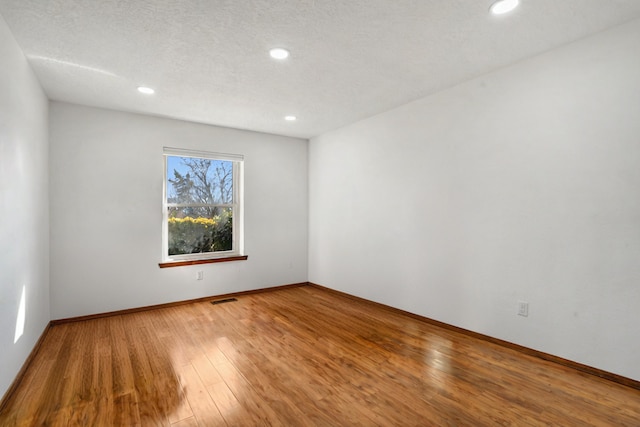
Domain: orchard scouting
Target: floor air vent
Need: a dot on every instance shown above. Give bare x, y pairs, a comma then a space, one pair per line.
222, 301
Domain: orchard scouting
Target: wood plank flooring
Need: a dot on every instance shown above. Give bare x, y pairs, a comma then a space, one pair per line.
298, 357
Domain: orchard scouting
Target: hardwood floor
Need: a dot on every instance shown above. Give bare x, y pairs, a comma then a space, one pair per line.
298, 357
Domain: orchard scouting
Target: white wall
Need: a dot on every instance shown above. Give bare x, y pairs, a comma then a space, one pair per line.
24, 207
106, 211
519, 185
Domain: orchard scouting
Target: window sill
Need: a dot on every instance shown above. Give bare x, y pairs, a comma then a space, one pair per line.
202, 261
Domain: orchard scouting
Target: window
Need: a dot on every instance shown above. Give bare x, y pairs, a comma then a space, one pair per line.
202, 206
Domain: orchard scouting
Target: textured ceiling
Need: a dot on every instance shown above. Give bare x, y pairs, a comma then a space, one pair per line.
208, 59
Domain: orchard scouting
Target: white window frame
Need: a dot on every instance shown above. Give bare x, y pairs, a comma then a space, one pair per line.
237, 205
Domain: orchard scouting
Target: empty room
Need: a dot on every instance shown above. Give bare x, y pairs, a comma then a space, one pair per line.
319, 213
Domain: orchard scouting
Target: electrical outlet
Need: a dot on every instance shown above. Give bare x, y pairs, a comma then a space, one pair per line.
523, 308
200, 275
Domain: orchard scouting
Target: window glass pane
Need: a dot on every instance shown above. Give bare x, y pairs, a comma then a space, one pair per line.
200, 229
199, 181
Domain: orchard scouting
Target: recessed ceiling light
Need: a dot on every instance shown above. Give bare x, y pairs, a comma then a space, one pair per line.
279, 53
146, 90
290, 118
503, 6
